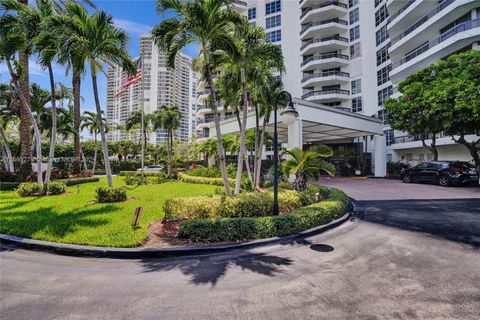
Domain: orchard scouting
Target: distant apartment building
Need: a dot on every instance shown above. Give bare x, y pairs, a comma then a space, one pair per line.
160, 85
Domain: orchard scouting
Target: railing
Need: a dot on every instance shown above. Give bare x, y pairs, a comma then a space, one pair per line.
422, 20
325, 56
399, 12
326, 74
210, 120
206, 91
314, 24
306, 44
432, 43
243, 3
326, 4
325, 92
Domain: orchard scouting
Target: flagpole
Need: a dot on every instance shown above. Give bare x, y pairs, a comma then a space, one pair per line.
142, 125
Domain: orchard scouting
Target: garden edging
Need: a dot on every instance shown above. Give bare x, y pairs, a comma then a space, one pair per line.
140, 253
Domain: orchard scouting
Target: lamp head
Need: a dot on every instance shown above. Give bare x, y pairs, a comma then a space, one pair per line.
289, 114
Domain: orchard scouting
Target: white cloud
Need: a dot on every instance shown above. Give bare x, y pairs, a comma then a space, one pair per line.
132, 27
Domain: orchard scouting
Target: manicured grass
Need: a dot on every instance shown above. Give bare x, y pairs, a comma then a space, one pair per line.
75, 218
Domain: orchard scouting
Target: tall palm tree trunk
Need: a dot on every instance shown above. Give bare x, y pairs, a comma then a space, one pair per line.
94, 153
28, 110
53, 132
25, 120
6, 152
221, 150
258, 154
103, 136
243, 130
76, 83
169, 154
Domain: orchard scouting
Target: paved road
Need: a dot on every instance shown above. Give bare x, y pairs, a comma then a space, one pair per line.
402, 261
389, 189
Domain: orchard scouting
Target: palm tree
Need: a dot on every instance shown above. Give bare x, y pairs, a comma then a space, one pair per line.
249, 53
99, 41
168, 119
7, 114
89, 122
208, 22
12, 40
307, 165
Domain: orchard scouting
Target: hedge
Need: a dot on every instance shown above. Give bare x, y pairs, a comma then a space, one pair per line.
111, 194
9, 186
230, 229
203, 180
75, 181
139, 173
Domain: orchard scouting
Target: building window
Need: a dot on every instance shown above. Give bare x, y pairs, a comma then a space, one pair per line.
377, 2
357, 104
355, 51
352, 3
382, 54
273, 22
354, 33
356, 86
383, 75
274, 36
389, 137
252, 13
253, 24
381, 35
381, 15
384, 94
273, 7
354, 16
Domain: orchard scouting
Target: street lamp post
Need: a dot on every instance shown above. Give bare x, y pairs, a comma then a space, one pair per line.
288, 114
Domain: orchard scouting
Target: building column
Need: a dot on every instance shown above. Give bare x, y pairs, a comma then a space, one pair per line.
295, 139
380, 156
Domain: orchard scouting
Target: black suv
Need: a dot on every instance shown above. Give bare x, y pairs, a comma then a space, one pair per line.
445, 173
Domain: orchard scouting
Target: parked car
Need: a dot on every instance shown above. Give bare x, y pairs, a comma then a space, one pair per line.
445, 173
152, 168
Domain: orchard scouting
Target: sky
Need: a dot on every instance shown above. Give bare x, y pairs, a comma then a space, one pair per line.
135, 16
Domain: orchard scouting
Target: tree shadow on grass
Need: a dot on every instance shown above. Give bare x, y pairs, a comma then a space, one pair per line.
46, 220
209, 269
15, 203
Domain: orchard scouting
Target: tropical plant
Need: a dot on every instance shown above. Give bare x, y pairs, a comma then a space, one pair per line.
307, 165
167, 118
89, 122
99, 42
7, 114
209, 23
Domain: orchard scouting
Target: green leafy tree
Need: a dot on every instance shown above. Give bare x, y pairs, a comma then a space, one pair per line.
209, 23
307, 165
100, 42
168, 119
89, 122
7, 115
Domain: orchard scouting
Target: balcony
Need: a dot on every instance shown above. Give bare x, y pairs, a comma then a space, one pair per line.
324, 27
325, 96
325, 78
202, 96
408, 14
323, 11
400, 10
241, 6
324, 61
334, 43
449, 42
422, 20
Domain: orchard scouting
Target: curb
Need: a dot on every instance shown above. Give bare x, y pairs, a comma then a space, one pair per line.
142, 253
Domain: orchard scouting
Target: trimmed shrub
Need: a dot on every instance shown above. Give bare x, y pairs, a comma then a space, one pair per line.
191, 208
138, 173
134, 180
252, 204
8, 186
29, 189
213, 172
56, 187
202, 180
229, 229
285, 185
75, 181
114, 194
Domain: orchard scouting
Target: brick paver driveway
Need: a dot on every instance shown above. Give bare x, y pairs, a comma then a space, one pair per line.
389, 189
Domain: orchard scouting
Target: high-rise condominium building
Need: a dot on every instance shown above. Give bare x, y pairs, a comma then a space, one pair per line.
345, 54
160, 86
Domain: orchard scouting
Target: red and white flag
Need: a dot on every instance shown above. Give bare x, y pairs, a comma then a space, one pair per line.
131, 80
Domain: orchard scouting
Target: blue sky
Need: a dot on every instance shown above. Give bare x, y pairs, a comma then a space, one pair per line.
135, 16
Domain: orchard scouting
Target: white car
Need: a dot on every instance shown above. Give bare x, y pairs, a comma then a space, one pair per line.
152, 168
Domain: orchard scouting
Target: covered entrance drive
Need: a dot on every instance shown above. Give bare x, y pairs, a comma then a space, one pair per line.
321, 124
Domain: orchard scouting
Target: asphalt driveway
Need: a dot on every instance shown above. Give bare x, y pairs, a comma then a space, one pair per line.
390, 189
402, 260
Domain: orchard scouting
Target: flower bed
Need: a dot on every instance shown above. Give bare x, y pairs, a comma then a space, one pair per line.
213, 219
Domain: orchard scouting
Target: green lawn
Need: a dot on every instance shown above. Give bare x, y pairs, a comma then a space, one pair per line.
75, 218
